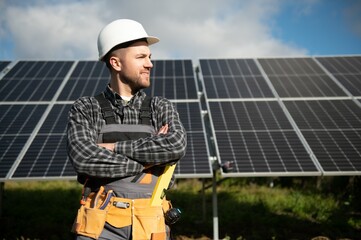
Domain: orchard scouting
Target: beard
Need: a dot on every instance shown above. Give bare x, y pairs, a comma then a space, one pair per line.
135, 83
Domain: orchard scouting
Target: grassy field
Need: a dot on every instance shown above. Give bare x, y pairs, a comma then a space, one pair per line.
248, 209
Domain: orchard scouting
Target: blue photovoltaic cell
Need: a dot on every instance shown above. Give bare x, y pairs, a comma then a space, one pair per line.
248, 116
264, 152
172, 79
259, 139
56, 121
336, 150
10, 147
33, 81
89, 78
347, 70
332, 129
47, 157
325, 114
233, 78
17, 122
341, 65
196, 160
299, 77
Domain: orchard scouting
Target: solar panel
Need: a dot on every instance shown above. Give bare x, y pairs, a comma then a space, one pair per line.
278, 135
173, 79
17, 122
299, 77
37, 147
89, 78
233, 78
46, 156
271, 117
347, 70
3, 65
196, 161
33, 80
259, 139
333, 130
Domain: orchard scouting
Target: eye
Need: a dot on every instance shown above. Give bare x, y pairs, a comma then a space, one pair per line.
141, 56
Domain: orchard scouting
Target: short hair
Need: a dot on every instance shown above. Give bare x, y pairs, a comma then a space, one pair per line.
107, 56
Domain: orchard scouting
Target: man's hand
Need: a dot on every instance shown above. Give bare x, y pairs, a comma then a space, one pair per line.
109, 146
163, 130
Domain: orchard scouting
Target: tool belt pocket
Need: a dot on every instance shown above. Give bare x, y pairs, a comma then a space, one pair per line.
119, 216
148, 222
89, 222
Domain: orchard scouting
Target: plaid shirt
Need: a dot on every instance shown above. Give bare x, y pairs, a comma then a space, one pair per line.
85, 122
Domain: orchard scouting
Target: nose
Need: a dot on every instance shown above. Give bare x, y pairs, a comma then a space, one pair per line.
148, 63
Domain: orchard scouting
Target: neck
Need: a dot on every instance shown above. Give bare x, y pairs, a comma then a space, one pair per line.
119, 87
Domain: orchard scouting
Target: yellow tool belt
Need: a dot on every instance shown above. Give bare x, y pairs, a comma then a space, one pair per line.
147, 221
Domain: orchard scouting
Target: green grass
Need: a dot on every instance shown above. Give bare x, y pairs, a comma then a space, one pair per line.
246, 210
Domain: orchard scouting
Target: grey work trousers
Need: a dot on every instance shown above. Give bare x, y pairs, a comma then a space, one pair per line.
111, 233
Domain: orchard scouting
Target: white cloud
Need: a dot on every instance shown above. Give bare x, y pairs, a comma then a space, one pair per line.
188, 29
63, 31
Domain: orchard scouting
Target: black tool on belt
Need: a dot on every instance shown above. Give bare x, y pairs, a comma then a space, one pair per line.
172, 216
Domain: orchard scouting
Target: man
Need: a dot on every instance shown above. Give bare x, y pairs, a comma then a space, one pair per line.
119, 142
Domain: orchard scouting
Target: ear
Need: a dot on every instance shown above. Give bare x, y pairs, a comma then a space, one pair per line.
115, 63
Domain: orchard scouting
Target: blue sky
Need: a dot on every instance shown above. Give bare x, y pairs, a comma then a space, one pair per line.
188, 29
326, 28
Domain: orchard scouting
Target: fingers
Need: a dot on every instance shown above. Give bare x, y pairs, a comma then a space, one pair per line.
163, 129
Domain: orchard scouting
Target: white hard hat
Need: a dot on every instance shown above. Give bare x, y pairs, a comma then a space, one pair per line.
121, 31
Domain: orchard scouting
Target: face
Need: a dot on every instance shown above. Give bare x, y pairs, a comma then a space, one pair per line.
135, 66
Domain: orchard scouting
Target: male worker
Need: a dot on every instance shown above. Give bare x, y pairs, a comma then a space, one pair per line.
120, 141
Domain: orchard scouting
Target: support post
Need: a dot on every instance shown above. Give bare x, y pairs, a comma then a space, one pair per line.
1, 197
215, 206
204, 207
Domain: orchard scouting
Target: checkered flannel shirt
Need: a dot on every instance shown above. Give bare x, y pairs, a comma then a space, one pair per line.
85, 122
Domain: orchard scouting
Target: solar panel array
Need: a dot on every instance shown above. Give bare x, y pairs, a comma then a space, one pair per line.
285, 116
37, 95
268, 116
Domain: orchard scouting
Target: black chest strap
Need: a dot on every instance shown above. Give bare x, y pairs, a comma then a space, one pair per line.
107, 110
145, 112
109, 115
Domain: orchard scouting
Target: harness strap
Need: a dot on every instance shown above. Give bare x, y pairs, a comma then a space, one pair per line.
107, 110
145, 112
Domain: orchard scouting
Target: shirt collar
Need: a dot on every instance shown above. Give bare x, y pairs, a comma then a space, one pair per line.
116, 99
